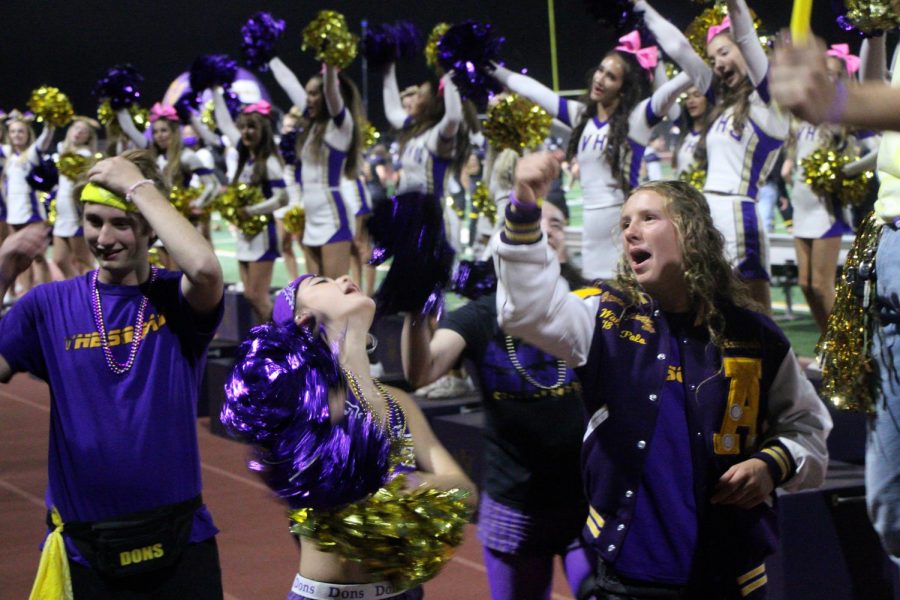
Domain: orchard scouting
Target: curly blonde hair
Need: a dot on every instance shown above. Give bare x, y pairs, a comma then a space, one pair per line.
711, 281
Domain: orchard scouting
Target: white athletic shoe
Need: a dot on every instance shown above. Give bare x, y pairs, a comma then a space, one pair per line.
376, 369
451, 387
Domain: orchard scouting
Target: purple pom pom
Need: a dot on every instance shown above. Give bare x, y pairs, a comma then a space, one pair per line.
211, 70
386, 43
474, 279
408, 38
619, 15
43, 176
121, 84
469, 48
277, 399
258, 38
187, 105
287, 146
410, 228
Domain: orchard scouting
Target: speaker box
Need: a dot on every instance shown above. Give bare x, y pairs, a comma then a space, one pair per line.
217, 371
218, 349
387, 331
237, 318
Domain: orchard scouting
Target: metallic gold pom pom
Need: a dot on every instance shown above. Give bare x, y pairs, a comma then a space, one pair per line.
51, 208
370, 135
295, 220
516, 123
154, 258
845, 347
823, 173
871, 16
694, 175
51, 105
182, 197
714, 15
405, 537
483, 202
331, 40
73, 165
431, 49
107, 116
237, 197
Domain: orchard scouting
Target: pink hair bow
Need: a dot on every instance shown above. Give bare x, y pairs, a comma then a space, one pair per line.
715, 30
160, 111
842, 51
262, 107
646, 57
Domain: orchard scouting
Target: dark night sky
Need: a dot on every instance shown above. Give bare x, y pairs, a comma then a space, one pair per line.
69, 44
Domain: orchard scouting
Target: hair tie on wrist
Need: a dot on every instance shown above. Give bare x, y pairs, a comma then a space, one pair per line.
129, 195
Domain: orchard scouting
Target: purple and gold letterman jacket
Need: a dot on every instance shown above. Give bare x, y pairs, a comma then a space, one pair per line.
753, 402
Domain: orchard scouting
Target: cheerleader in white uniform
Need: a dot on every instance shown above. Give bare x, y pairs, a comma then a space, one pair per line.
259, 164
70, 252
328, 149
743, 134
358, 198
611, 126
22, 203
692, 123
290, 126
819, 222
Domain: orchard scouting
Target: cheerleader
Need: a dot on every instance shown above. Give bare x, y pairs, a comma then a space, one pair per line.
22, 204
328, 148
259, 165
743, 134
611, 126
290, 127
357, 194
693, 121
318, 345
70, 252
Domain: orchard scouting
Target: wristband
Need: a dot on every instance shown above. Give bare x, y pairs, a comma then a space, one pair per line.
838, 103
130, 192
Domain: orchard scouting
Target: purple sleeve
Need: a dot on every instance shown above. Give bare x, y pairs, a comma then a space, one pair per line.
19, 340
339, 118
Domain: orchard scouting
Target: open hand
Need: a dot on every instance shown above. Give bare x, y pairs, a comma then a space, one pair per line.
746, 484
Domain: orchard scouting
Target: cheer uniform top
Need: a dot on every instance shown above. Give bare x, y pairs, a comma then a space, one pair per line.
22, 203
68, 209
264, 245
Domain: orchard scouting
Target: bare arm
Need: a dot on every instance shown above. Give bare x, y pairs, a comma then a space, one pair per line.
873, 60
333, 100
289, 83
426, 357
202, 284
127, 124
223, 118
19, 250
393, 105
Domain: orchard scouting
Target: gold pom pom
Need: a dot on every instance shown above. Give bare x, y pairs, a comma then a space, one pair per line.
51, 105
672, 70
694, 175
182, 197
370, 135
483, 202
823, 173
431, 48
208, 116
845, 348
237, 197
73, 166
51, 208
107, 116
105, 113
870, 16
331, 40
405, 537
714, 15
295, 220
154, 258
516, 123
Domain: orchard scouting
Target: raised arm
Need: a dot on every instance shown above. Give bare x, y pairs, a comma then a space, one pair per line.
427, 357
130, 129
223, 118
202, 284
747, 41
672, 41
208, 136
558, 107
18, 251
332, 90
873, 59
453, 112
393, 105
533, 301
289, 83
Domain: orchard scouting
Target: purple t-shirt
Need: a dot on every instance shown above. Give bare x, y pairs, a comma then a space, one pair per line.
119, 444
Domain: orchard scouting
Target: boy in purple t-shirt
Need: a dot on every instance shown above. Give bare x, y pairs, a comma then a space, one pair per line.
123, 350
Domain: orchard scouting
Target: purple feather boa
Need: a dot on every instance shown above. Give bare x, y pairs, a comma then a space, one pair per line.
469, 48
387, 43
259, 35
210, 70
474, 279
410, 228
277, 399
121, 84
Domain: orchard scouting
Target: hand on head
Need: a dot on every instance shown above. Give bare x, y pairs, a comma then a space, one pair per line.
534, 174
116, 174
20, 248
799, 79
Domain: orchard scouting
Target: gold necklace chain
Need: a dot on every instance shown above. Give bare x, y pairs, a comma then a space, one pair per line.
393, 407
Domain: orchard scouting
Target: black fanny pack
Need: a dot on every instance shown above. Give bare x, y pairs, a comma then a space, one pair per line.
137, 543
609, 586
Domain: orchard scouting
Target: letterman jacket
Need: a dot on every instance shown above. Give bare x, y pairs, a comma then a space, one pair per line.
752, 402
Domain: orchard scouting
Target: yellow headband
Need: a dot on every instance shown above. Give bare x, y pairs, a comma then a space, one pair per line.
100, 195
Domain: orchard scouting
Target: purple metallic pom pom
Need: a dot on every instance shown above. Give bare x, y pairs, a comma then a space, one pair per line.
258, 38
233, 102
474, 279
187, 105
410, 228
43, 176
287, 146
211, 70
386, 43
619, 15
469, 48
277, 399
840, 9
121, 84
